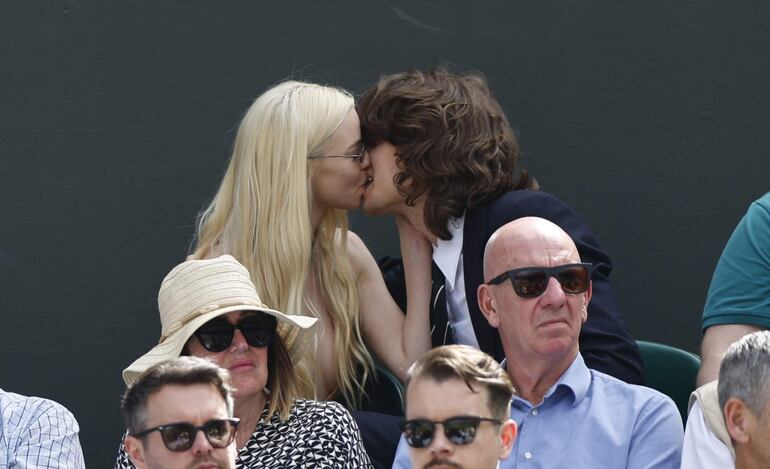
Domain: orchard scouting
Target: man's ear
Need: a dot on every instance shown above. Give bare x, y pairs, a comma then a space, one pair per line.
739, 420
587, 299
135, 450
487, 304
508, 436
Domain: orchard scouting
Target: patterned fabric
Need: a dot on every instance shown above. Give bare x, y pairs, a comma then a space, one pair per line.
37, 433
316, 435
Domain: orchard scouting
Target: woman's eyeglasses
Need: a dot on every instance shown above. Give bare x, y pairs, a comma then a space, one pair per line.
217, 334
458, 430
359, 157
181, 436
531, 282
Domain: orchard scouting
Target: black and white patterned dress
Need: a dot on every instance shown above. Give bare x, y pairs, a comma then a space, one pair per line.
316, 435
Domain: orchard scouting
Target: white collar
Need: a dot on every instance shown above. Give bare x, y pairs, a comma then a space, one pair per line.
447, 254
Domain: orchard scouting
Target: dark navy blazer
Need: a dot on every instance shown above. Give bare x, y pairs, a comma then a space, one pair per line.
605, 342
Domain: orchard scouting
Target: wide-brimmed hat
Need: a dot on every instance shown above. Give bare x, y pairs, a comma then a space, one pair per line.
196, 291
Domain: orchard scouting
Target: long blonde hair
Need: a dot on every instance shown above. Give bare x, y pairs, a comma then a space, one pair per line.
261, 216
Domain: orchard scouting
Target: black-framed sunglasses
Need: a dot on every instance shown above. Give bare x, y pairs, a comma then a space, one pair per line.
460, 430
217, 335
359, 157
531, 282
181, 436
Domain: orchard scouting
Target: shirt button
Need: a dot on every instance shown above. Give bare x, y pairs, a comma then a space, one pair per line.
528, 455
534, 411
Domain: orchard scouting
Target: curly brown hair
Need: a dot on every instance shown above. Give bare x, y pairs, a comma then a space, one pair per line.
453, 142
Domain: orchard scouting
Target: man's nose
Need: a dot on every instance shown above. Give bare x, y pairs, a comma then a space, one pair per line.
441, 446
553, 295
201, 444
366, 161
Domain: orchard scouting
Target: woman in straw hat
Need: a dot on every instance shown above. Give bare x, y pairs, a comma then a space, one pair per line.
210, 308
296, 167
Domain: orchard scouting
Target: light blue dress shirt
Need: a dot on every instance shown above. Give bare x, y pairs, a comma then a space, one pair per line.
37, 433
591, 420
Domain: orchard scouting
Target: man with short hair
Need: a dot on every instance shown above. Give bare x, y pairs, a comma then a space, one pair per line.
37, 433
744, 395
179, 413
536, 293
458, 410
443, 159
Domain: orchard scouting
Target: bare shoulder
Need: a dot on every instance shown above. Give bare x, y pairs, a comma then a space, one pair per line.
359, 255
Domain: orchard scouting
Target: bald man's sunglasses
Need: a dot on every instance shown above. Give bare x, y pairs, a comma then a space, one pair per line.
181, 436
531, 282
458, 430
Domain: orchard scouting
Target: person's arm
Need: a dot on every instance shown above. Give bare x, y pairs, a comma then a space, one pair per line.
738, 299
657, 439
50, 440
397, 339
714, 345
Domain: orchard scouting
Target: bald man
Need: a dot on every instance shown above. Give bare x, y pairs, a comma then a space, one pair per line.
536, 294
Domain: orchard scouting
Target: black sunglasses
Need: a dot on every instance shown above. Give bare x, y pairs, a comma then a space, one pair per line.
217, 334
181, 436
531, 282
458, 430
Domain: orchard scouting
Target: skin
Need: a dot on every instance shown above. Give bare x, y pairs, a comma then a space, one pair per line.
248, 371
716, 339
750, 434
381, 195
492, 442
195, 404
539, 335
397, 339
339, 182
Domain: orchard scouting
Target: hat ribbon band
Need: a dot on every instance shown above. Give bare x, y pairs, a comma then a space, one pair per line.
201, 311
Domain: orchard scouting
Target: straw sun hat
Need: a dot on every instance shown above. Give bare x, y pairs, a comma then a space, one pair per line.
195, 292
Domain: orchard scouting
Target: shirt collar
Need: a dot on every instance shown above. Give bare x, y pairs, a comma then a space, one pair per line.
446, 254
575, 380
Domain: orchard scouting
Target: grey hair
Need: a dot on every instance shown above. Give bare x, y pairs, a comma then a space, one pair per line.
181, 370
745, 372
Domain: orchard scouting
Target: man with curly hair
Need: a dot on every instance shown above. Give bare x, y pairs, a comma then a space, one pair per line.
443, 157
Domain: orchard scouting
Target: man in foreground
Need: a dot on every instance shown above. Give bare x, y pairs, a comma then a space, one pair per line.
458, 410
179, 414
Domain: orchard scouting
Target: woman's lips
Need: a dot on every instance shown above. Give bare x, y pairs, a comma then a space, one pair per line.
241, 366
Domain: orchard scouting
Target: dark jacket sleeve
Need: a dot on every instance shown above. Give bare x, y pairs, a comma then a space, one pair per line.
605, 343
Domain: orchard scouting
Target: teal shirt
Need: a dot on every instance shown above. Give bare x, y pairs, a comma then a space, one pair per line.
740, 288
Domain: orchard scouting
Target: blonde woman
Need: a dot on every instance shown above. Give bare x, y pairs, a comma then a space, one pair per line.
297, 165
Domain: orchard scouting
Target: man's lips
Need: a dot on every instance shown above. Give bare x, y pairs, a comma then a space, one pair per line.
553, 322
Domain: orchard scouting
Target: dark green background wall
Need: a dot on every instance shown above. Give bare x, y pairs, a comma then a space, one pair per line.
650, 118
